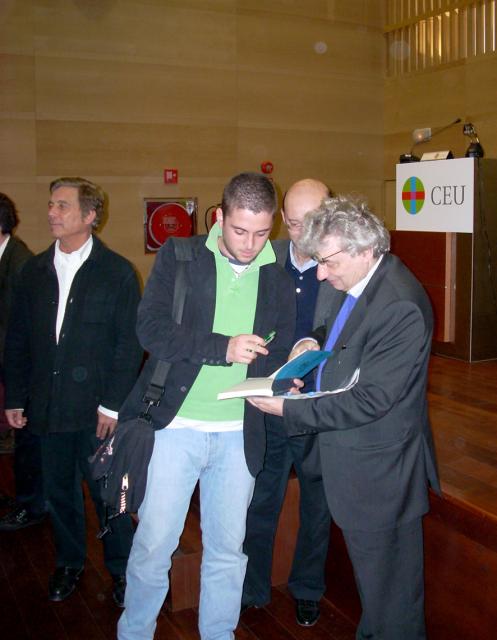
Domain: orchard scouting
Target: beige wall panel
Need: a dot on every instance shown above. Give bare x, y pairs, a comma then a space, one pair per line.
311, 102
281, 8
17, 27
17, 95
328, 156
372, 192
287, 44
481, 88
78, 89
134, 149
173, 33
430, 99
389, 204
225, 6
17, 148
486, 127
94, 63
364, 12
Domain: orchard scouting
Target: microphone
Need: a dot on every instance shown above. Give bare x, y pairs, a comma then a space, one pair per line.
475, 150
424, 135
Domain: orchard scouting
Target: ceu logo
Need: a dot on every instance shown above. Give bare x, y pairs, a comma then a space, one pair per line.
413, 195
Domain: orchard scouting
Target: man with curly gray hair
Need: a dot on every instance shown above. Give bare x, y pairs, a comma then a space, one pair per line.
375, 440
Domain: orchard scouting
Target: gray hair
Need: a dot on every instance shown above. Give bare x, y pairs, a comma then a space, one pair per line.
91, 196
350, 221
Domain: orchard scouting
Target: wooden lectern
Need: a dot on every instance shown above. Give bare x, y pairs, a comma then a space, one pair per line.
450, 244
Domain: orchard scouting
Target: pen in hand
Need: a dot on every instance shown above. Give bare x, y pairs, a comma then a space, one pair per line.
267, 339
270, 336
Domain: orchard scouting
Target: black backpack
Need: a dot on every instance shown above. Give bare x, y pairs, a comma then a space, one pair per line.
121, 462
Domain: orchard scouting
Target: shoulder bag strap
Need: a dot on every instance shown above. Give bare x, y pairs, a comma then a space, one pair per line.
183, 253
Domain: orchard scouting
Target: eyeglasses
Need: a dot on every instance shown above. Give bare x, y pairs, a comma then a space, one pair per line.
324, 261
291, 224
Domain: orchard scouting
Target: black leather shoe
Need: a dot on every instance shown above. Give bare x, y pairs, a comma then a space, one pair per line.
6, 502
118, 590
249, 605
307, 612
19, 518
62, 583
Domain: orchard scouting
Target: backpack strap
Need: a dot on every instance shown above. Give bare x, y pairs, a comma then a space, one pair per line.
155, 390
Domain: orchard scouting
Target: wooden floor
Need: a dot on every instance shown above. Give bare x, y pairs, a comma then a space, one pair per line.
463, 411
26, 561
463, 408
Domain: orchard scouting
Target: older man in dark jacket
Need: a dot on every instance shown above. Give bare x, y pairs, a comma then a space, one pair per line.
71, 356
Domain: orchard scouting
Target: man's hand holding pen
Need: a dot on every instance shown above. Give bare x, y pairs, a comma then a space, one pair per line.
245, 348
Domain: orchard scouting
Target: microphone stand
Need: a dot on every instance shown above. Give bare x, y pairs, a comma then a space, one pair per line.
410, 157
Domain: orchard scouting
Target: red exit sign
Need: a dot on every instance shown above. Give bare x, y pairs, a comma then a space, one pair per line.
170, 176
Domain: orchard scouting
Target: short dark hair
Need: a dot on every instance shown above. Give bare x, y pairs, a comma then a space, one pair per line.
8, 214
91, 196
250, 190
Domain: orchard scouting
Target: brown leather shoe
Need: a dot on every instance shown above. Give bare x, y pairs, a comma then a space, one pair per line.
63, 582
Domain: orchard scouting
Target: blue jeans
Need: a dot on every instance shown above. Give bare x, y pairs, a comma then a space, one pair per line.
180, 458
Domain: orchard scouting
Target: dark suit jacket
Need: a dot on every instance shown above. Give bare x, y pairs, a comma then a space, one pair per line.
15, 255
97, 357
375, 440
192, 344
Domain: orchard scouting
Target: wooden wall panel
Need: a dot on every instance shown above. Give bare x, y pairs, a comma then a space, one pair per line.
17, 97
17, 145
183, 33
17, 27
273, 100
117, 92
288, 44
330, 155
110, 91
354, 11
134, 149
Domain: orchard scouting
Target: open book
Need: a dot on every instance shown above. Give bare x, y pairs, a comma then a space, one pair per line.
317, 394
278, 382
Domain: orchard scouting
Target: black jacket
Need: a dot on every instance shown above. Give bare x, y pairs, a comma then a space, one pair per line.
190, 345
96, 360
15, 255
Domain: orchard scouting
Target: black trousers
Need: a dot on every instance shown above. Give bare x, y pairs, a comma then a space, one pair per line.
388, 568
65, 465
307, 575
28, 474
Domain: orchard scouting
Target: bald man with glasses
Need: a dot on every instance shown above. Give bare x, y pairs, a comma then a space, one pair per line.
306, 581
